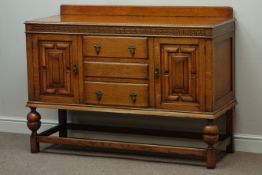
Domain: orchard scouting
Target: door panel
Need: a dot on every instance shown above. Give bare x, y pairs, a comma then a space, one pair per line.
55, 71
178, 85
179, 73
55, 58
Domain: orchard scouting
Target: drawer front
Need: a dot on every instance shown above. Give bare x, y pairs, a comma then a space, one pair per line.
121, 94
116, 70
120, 47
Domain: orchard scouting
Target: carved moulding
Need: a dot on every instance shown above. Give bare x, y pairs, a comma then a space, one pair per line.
122, 30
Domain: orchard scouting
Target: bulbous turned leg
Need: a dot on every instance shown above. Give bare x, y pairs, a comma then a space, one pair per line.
211, 136
33, 123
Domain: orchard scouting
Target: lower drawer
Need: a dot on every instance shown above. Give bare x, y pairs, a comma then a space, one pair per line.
121, 94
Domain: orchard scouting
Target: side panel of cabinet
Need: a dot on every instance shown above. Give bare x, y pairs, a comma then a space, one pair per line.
180, 84
223, 70
55, 68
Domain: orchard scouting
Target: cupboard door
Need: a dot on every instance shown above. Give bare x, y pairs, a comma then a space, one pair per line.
56, 69
178, 85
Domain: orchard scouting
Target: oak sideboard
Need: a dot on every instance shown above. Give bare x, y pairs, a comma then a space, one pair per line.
143, 61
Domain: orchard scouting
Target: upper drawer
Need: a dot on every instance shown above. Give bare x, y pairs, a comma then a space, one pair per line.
124, 47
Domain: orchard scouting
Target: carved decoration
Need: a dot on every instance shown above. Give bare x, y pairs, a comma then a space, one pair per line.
130, 30
55, 68
179, 73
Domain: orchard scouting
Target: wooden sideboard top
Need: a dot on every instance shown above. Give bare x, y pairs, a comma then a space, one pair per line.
197, 22
204, 17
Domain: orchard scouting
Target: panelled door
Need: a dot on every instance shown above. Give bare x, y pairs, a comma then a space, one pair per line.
55, 68
179, 74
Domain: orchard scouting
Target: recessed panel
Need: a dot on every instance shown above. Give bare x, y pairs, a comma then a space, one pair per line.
179, 76
55, 68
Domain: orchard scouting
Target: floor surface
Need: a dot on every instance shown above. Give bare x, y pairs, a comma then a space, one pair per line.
15, 159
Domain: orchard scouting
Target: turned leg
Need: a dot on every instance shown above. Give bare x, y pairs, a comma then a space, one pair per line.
62, 119
230, 115
210, 135
33, 123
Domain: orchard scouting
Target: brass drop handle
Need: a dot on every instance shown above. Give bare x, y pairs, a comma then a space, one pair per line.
99, 95
133, 96
97, 48
132, 50
156, 72
75, 68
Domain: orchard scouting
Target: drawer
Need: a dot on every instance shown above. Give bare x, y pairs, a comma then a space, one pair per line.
121, 94
120, 47
116, 70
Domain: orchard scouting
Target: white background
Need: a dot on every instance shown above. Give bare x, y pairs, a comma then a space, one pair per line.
13, 75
